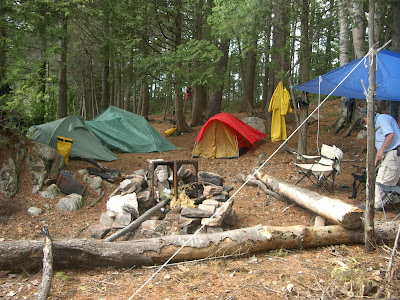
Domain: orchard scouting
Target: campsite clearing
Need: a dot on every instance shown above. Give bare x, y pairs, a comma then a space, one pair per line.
331, 272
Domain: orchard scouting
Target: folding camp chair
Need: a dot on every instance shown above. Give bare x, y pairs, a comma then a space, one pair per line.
360, 181
390, 193
324, 170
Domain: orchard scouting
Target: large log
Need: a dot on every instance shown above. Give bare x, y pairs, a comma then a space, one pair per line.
84, 253
334, 210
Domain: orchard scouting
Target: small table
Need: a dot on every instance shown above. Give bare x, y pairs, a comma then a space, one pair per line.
174, 165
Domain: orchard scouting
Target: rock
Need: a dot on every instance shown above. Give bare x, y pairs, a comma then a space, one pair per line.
149, 163
230, 219
184, 172
319, 221
150, 225
42, 157
71, 202
38, 179
83, 172
34, 211
9, 178
211, 190
95, 182
261, 158
211, 229
210, 208
255, 122
121, 203
214, 222
99, 231
106, 219
228, 188
192, 212
224, 209
362, 135
211, 202
221, 197
144, 199
123, 219
111, 214
188, 225
210, 177
161, 172
51, 192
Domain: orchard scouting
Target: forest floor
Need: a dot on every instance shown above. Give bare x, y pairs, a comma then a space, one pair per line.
333, 272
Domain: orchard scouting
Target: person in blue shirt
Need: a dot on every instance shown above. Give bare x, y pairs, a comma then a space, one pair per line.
387, 140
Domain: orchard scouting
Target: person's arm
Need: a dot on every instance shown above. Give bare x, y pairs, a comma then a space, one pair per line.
386, 143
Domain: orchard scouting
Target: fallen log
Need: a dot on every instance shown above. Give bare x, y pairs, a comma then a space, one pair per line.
84, 253
251, 180
332, 209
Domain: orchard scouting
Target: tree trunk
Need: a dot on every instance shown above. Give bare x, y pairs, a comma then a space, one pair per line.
214, 105
4, 87
145, 98
62, 70
248, 77
199, 102
358, 29
26, 255
105, 51
305, 76
344, 59
181, 125
331, 209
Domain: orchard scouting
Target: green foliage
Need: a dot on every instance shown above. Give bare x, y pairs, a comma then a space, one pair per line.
62, 276
279, 252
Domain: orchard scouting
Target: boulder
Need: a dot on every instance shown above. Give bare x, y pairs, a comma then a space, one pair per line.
51, 192
9, 178
71, 202
35, 211
99, 231
210, 177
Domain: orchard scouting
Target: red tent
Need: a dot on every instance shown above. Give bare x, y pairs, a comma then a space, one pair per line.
223, 135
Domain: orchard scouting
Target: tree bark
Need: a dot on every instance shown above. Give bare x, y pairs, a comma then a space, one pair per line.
25, 255
214, 105
199, 102
62, 70
358, 30
331, 209
105, 53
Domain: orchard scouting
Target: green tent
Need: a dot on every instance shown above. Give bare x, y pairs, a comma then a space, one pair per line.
127, 132
85, 144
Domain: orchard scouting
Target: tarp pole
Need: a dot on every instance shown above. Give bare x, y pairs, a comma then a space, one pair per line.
370, 204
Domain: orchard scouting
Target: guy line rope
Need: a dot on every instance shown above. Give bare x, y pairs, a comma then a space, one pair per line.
247, 180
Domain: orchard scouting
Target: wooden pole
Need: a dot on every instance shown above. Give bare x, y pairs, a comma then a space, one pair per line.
370, 205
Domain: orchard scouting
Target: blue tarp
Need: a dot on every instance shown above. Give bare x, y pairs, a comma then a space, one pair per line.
387, 79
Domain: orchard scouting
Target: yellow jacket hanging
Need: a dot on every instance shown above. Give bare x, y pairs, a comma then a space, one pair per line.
279, 106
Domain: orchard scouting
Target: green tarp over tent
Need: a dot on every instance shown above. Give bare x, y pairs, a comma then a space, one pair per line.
127, 132
85, 144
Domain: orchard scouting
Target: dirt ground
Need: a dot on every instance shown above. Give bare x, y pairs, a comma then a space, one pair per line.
334, 272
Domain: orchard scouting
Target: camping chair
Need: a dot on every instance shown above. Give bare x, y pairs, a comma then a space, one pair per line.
360, 181
390, 193
324, 170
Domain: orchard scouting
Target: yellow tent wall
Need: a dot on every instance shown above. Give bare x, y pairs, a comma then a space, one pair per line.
218, 141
